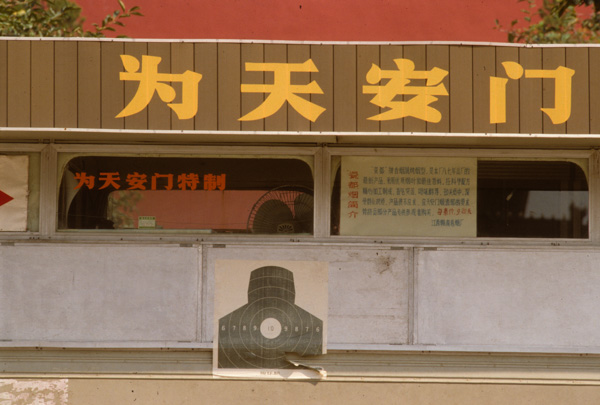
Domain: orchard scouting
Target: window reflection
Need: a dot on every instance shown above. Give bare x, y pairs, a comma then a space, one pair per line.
218, 195
535, 199
518, 198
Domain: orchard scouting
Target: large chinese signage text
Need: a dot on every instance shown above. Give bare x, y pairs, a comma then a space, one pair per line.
401, 92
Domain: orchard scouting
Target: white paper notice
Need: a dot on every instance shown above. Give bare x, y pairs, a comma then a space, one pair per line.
408, 196
14, 191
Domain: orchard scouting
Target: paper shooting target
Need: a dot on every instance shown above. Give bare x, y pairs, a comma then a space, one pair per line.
258, 334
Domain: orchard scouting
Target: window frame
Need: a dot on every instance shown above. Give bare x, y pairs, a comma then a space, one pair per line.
592, 157
49, 178
175, 151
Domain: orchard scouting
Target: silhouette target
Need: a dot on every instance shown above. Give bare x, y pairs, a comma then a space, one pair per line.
258, 334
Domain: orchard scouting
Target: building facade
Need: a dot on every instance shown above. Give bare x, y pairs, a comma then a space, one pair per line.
434, 202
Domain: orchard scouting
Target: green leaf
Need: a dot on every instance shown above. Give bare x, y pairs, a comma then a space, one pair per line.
54, 18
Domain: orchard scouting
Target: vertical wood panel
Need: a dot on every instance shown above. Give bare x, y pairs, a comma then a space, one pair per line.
530, 92
484, 67
551, 59
76, 84
159, 113
88, 85
579, 122
65, 84
112, 88
461, 89
298, 54
253, 53
121, 92
42, 84
594, 55
366, 56
388, 54
229, 86
276, 54
3, 82
322, 56
417, 54
182, 59
18, 88
344, 87
205, 62
512, 124
438, 56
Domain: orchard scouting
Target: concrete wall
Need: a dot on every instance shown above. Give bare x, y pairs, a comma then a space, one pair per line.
508, 297
140, 295
127, 391
90, 293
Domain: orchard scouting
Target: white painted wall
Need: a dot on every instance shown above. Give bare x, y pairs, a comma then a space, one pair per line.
508, 297
90, 293
139, 295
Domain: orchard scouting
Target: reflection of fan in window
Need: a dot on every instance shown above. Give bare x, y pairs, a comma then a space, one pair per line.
285, 209
174, 205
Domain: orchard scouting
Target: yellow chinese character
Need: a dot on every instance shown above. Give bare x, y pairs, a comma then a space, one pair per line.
417, 106
562, 92
150, 82
282, 90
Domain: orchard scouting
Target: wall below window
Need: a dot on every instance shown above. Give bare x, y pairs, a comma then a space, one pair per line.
96, 377
253, 392
380, 297
508, 297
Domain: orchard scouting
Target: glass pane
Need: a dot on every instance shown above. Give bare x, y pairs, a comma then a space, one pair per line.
532, 199
217, 195
526, 199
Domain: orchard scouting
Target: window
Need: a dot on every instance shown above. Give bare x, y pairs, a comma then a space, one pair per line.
531, 199
248, 194
440, 196
459, 197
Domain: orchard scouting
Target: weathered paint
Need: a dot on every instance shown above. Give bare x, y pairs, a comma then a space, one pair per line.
34, 392
140, 296
330, 20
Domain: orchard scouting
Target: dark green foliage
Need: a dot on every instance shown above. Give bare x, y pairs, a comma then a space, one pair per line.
557, 22
54, 18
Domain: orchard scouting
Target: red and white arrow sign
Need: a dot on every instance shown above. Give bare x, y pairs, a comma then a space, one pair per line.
14, 192
4, 198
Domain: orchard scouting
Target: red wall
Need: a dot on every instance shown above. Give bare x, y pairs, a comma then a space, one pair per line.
314, 20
